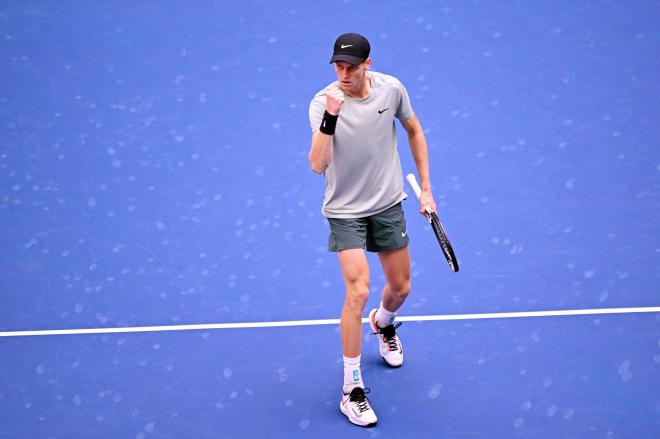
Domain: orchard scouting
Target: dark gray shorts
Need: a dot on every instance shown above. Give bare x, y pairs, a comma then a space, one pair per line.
384, 231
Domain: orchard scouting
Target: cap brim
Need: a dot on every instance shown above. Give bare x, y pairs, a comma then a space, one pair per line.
353, 60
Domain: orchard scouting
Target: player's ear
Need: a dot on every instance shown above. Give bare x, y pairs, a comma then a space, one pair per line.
367, 63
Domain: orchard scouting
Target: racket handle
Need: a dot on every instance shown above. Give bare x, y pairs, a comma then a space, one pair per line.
412, 180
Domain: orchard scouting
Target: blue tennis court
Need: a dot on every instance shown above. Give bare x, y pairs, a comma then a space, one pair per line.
163, 267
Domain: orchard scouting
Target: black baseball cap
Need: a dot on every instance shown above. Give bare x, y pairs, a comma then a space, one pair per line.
352, 48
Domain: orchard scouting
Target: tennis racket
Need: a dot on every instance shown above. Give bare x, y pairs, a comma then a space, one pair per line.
439, 231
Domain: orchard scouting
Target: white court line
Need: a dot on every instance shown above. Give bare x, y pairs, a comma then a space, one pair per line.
498, 315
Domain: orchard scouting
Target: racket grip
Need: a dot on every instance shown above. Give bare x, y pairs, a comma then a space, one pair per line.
412, 180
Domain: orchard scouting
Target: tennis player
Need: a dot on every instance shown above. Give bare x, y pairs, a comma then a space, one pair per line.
354, 144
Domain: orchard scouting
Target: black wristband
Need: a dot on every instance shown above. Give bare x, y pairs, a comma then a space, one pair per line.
329, 124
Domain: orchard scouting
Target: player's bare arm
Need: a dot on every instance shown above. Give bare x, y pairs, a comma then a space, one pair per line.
419, 150
320, 154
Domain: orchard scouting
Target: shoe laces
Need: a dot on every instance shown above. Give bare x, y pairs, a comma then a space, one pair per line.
389, 335
360, 399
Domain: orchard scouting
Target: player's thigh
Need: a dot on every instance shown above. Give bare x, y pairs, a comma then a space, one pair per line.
396, 267
354, 268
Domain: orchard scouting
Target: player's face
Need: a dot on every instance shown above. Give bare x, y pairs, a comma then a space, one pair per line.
351, 78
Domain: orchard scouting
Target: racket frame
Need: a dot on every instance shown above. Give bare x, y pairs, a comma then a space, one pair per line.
436, 225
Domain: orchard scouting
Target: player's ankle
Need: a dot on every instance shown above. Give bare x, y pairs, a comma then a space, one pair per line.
352, 373
349, 387
384, 317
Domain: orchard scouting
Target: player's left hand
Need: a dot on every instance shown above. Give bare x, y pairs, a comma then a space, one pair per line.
426, 202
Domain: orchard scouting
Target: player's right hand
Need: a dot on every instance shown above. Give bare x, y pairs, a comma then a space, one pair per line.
426, 203
333, 99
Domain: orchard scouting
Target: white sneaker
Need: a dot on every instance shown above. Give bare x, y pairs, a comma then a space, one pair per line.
357, 409
389, 343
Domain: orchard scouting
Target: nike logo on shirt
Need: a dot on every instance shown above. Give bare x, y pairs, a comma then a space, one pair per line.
382, 111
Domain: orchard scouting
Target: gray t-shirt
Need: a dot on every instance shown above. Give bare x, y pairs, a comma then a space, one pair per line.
364, 177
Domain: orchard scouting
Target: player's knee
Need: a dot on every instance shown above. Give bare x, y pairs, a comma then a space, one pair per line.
357, 296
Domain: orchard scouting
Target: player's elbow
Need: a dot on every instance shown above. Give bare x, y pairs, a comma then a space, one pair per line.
316, 163
318, 168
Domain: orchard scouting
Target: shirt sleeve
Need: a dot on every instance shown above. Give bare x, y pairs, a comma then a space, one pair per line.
404, 110
316, 110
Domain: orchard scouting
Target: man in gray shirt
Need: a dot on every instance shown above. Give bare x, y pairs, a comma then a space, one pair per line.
354, 144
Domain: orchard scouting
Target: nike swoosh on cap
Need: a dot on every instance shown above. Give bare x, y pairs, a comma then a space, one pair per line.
344, 46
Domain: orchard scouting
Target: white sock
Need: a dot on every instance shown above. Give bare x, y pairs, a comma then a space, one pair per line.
352, 374
384, 317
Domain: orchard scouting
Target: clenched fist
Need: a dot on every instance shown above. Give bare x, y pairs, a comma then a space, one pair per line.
334, 98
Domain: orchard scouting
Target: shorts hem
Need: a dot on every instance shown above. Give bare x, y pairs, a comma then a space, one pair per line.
382, 249
348, 247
